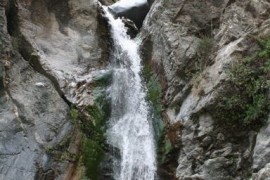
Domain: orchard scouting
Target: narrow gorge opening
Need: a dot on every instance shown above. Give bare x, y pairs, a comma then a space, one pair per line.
130, 132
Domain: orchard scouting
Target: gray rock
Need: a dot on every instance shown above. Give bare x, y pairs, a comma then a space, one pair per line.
64, 48
206, 141
216, 169
69, 50
261, 154
175, 28
205, 125
32, 119
263, 174
54, 44
227, 150
220, 137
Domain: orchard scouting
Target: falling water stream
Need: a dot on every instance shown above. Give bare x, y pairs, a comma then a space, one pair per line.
130, 128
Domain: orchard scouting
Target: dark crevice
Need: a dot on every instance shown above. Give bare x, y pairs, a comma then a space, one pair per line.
34, 61
208, 28
228, 4
12, 18
3, 87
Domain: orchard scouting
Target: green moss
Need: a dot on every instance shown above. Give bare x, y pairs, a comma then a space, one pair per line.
74, 114
166, 148
92, 156
154, 97
247, 103
93, 149
94, 141
103, 80
154, 94
91, 121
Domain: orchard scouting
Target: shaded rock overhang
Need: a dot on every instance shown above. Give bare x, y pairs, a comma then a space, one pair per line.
135, 11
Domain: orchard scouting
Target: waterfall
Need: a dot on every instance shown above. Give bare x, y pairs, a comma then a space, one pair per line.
129, 127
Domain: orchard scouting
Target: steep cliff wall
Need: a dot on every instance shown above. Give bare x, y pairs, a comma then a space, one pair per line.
206, 67
50, 54
193, 49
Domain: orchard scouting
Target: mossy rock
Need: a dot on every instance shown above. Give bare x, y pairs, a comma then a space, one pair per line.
91, 120
103, 80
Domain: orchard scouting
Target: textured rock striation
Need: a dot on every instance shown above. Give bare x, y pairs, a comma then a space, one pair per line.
50, 53
193, 83
33, 115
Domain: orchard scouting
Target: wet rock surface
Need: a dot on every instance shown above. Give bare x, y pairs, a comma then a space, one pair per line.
135, 11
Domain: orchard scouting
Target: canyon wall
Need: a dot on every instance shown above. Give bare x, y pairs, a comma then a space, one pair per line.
206, 67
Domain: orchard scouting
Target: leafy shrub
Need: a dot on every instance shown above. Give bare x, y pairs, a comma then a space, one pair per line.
247, 101
205, 49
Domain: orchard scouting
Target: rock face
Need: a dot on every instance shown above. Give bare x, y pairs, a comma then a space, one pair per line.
192, 84
33, 116
50, 52
261, 154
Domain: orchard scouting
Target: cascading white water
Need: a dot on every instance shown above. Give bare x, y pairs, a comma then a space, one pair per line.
130, 128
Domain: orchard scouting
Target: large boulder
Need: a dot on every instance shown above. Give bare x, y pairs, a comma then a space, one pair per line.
135, 11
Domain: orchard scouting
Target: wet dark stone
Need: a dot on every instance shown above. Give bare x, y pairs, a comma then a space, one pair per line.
135, 13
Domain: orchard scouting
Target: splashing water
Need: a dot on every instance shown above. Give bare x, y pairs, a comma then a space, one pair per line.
130, 128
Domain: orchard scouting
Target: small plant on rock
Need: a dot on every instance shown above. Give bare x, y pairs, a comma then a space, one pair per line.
205, 49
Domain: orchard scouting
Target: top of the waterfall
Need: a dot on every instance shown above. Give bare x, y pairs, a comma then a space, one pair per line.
128, 3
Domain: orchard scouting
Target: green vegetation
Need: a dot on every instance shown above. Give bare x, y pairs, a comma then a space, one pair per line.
204, 57
103, 80
92, 155
93, 145
205, 49
74, 113
154, 97
60, 152
93, 127
91, 121
166, 147
247, 101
